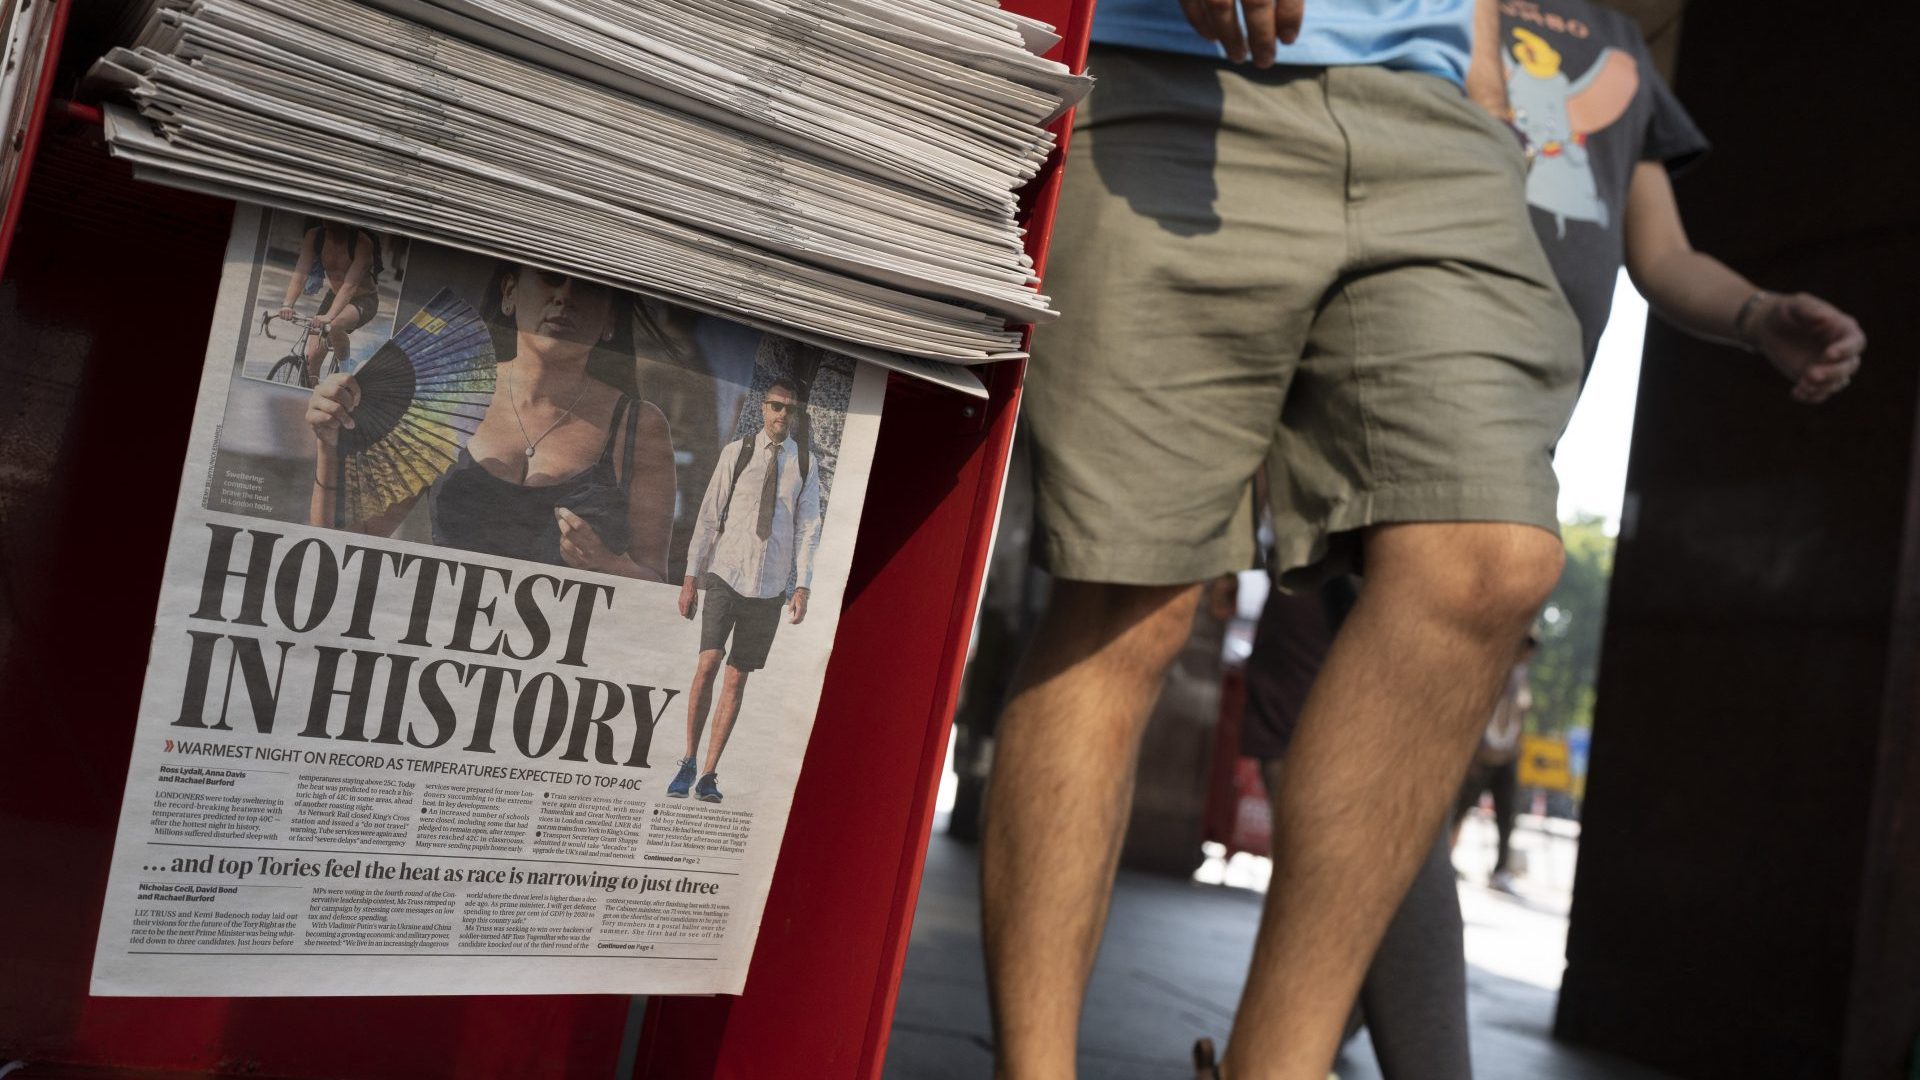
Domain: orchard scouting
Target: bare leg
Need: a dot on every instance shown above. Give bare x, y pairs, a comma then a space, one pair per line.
316, 350
1415, 992
339, 336
1057, 806
732, 688
700, 697
342, 343
1382, 744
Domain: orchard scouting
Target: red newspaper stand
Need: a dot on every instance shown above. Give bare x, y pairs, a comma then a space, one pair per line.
105, 293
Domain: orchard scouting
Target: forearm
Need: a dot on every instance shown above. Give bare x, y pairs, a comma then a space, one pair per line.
1486, 81
1695, 292
302, 266
349, 290
326, 474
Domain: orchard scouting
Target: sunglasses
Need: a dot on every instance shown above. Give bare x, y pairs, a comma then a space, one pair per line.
778, 406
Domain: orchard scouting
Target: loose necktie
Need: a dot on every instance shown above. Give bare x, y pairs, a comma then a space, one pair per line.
769, 492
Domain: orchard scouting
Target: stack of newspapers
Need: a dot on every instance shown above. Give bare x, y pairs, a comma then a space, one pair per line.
841, 171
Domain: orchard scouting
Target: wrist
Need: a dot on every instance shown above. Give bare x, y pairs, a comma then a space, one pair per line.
1750, 317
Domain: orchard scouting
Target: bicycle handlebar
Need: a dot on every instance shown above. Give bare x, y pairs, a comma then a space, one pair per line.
269, 314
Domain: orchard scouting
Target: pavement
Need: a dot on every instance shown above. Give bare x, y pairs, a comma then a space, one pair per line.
1175, 952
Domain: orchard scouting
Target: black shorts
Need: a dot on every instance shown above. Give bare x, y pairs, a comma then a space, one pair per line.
751, 620
368, 302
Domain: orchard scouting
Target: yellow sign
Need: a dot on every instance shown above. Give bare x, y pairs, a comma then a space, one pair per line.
1545, 763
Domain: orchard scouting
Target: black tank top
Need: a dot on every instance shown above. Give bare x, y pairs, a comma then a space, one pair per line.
474, 510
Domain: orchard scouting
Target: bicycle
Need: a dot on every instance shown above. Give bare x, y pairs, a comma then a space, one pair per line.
291, 369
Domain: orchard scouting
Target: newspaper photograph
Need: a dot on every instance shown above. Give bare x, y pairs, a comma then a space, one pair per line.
493, 627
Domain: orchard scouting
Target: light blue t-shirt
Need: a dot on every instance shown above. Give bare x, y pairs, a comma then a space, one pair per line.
1431, 36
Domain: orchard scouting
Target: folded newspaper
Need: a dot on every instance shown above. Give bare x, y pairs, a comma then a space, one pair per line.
496, 612
842, 171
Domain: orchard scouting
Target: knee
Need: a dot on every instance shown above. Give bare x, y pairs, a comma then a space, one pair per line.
1513, 576
736, 680
1490, 578
704, 670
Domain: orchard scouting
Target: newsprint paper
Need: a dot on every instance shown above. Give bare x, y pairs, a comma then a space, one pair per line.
494, 622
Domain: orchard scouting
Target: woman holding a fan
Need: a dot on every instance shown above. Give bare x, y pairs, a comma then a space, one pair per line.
564, 466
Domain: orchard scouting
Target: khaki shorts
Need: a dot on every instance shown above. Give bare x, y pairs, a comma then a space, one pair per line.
1329, 271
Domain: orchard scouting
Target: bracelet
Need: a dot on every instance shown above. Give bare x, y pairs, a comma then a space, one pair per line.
1740, 317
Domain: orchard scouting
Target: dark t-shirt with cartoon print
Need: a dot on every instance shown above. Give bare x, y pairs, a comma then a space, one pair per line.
1591, 106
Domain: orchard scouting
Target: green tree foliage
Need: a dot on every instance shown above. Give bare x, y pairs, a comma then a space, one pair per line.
1564, 670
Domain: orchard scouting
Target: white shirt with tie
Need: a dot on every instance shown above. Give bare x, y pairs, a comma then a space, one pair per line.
736, 554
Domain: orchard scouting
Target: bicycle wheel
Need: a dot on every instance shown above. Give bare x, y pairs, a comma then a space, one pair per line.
291, 369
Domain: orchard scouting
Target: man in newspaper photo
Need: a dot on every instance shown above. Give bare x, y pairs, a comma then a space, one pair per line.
758, 529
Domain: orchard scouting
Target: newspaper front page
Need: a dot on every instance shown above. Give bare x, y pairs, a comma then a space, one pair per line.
493, 628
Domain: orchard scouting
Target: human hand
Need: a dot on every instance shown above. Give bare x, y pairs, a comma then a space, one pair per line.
797, 607
1267, 22
1808, 340
689, 598
323, 321
331, 406
580, 543
285, 313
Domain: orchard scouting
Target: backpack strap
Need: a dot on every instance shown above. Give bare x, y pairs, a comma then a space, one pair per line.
741, 461
796, 506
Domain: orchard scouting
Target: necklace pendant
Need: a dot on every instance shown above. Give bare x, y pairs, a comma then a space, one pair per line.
529, 453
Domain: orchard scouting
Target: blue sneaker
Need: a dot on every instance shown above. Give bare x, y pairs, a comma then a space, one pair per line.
682, 780
708, 789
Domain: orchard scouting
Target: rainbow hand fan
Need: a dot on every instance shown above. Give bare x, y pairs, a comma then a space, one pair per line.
421, 397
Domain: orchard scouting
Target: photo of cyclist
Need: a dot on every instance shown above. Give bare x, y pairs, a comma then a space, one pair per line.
568, 465
347, 258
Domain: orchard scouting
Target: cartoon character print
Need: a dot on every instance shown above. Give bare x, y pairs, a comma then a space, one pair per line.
1555, 115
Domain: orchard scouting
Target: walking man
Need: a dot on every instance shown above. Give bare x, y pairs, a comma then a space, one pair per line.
755, 539
1325, 267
